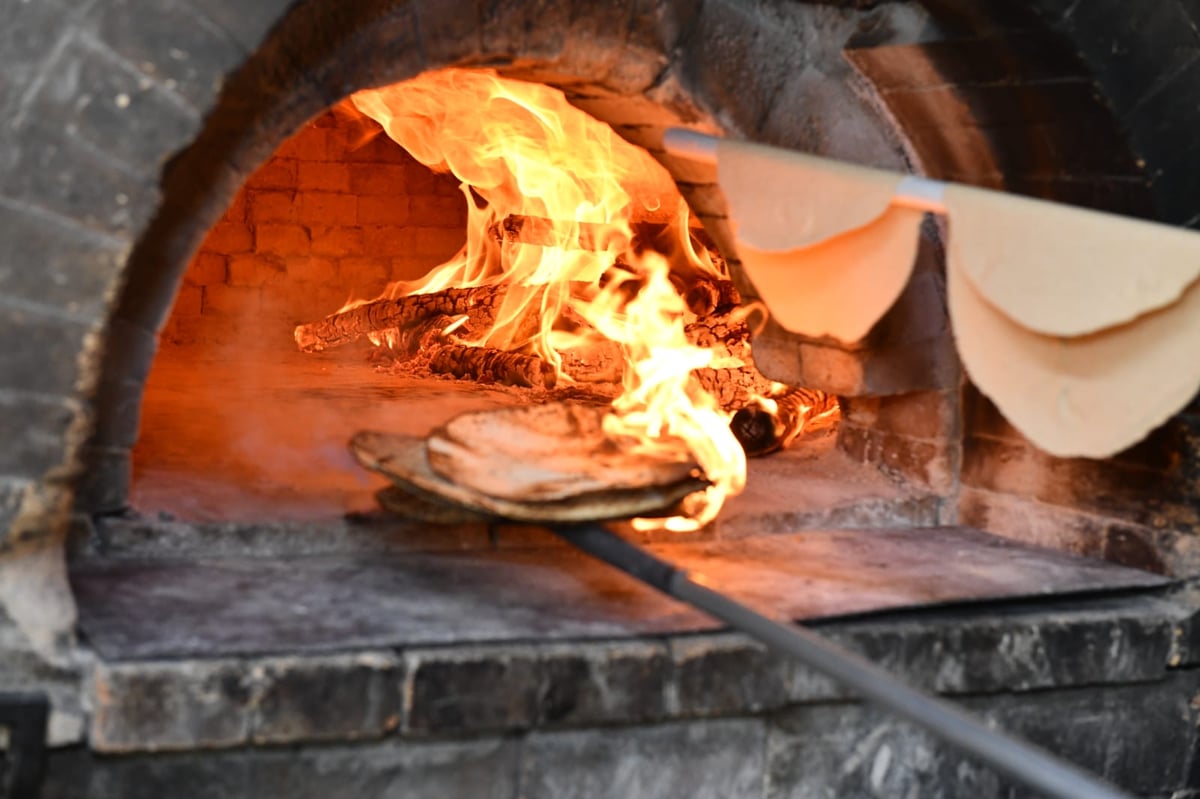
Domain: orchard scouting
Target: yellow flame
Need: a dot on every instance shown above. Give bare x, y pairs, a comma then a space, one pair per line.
523, 153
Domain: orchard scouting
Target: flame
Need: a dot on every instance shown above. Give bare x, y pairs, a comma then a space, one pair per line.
526, 157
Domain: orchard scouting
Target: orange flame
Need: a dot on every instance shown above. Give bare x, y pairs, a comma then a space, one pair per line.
521, 150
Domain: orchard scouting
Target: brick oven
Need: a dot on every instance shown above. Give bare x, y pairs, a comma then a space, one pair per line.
201, 593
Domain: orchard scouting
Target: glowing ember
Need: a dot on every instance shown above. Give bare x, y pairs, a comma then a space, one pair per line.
557, 209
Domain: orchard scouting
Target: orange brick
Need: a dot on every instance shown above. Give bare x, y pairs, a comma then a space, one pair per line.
312, 270
421, 181
252, 270
324, 176
229, 238
382, 210
448, 186
354, 271
439, 242
206, 269
277, 239
438, 212
309, 144
389, 240
231, 300
188, 302
380, 149
320, 208
337, 241
237, 209
378, 179
411, 267
274, 206
278, 173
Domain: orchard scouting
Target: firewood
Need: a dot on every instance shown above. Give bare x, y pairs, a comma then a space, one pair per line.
761, 431
707, 296
546, 452
733, 388
723, 335
344, 327
408, 342
402, 459
488, 365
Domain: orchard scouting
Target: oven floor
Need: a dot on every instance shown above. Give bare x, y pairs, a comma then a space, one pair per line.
231, 439
236, 607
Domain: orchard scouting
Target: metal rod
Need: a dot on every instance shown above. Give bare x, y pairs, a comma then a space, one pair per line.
1019, 760
912, 191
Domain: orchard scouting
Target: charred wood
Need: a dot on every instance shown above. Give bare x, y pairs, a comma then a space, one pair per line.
762, 430
488, 365
380, 315
733, 388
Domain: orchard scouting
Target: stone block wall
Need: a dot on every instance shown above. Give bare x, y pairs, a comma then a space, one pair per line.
1139, 507
336, 214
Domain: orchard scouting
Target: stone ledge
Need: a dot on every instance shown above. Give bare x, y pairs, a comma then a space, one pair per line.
470, 690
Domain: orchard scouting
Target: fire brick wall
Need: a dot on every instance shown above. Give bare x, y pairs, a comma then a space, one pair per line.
339, 212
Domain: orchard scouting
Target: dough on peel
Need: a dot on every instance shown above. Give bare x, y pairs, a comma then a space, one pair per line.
842, 286
782, 200
1067, 271
1089, 396
551, 452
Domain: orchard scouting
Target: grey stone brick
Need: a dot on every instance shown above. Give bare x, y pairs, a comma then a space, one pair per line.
165, 706
727, 675
1135, 736
170, 42
248, 24
29, 35
697, 760
337, 697
623, 682
451, 30
46, 362
480, 769
33, 428
495, 688
44, 166
92, 93
721, 63
72, 774
46, 260
532, 30
490, 688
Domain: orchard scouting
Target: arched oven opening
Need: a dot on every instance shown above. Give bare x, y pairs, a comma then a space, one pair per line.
241, 588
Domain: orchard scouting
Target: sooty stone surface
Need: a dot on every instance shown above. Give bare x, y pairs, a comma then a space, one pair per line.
312, 604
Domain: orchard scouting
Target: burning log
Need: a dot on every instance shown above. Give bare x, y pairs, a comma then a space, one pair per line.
733, 388
723, 335
761, 430
706, 296
408, 342
488, 365
536, 230
380, 315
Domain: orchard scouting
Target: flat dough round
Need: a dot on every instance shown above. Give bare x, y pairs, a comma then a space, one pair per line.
782, 200
401, 458
1090, 396
541, 453
419, 506
1067, 271
842, 286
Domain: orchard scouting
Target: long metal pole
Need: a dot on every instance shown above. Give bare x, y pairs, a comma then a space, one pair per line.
1019, 760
